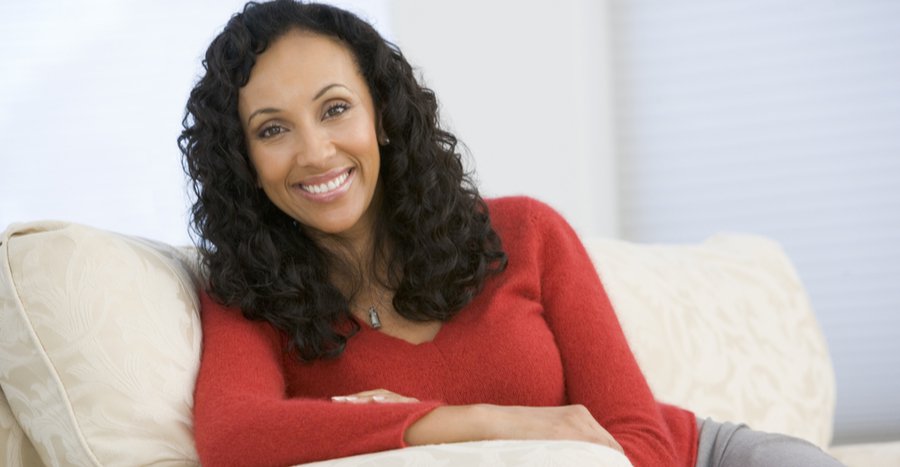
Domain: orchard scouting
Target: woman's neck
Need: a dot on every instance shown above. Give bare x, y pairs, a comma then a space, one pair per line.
357, 265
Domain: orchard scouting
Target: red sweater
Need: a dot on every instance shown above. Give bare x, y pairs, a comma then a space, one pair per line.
542, 333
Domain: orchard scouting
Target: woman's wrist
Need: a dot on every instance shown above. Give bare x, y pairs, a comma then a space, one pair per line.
450, 424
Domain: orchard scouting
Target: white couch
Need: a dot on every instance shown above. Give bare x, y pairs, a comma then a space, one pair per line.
100, 343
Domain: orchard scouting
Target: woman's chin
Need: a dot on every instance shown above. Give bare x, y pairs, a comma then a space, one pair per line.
343, 228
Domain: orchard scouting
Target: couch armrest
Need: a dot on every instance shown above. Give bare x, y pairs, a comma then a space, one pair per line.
868, 454
723, 328
494, 453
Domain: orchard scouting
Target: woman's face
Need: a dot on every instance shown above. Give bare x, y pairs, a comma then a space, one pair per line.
310, 126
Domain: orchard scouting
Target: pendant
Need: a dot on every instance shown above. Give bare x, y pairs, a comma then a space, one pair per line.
374, 320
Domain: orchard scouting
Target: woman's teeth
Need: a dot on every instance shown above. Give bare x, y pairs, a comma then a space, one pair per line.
327, 186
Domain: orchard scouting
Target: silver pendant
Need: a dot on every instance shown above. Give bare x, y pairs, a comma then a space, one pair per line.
374, 320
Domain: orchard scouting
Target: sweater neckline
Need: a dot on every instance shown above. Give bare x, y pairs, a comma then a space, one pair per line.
366, 328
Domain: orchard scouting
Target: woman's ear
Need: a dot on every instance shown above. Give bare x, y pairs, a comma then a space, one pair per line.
383, 139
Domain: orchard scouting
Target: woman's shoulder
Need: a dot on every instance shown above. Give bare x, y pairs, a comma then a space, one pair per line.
215, 313
226, 326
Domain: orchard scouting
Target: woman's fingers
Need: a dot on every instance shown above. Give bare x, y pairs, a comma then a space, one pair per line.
374, 396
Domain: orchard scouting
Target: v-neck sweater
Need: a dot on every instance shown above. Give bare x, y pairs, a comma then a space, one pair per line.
541, 333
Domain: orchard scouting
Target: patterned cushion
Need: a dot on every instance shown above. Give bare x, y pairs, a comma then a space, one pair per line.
99, 346
725, 329
16, 449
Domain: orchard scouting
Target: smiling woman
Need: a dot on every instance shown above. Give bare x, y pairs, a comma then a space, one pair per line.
303, 218
359, 298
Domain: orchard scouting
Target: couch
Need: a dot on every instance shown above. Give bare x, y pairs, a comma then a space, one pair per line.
100, 344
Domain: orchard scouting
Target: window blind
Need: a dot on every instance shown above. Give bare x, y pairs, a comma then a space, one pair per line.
783, 119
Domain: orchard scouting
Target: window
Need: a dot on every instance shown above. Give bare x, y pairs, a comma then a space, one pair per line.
783, 119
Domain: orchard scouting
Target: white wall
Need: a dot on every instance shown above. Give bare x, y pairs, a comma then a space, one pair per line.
92, 96
526, 89
91, 99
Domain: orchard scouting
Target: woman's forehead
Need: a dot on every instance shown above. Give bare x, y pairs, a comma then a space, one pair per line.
301, 63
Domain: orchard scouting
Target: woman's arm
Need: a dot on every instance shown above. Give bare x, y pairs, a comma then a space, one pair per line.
453, 424
600, 371
242, 415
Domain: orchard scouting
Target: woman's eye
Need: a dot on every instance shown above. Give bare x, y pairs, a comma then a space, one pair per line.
335, 110
271, 131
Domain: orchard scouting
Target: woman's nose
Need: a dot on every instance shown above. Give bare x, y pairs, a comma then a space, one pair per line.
315, 148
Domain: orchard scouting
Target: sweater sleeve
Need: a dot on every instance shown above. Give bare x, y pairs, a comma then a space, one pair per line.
243, 417
600, 371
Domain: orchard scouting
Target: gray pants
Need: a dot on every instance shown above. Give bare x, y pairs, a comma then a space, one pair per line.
730, 445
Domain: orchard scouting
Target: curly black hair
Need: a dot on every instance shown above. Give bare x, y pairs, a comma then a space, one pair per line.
259, 259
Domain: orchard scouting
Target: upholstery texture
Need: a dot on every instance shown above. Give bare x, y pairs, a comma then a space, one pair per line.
99, 347
721, 328
490, 453
16, 449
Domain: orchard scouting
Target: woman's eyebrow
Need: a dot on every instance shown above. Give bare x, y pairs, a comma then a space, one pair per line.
326, 88
266, 110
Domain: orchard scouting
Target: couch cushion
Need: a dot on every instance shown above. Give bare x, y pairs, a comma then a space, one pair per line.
725, 329
99, 345
489, 453
868, 454
16, 449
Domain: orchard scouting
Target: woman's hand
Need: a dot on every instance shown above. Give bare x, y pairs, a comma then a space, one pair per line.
572, 422
483, 422
451, 424
381, 396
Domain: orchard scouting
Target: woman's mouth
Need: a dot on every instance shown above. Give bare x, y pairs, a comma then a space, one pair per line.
327, 190
330, 185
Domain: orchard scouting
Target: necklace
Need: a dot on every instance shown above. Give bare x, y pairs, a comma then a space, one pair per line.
372, 312
374, 319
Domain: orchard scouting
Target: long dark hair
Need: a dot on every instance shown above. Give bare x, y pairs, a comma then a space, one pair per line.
259, 259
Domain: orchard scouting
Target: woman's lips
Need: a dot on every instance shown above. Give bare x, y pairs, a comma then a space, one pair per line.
327, 187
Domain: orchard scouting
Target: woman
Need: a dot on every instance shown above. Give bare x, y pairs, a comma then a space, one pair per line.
362, 296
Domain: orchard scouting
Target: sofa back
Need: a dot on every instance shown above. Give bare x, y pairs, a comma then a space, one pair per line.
100, 340
724, 328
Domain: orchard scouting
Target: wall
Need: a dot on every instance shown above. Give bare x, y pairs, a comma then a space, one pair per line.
526, 89
92, 95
